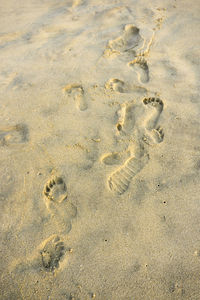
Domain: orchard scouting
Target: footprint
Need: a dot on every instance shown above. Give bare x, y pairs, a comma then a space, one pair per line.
153, 134
141, 67
56, 200
77, 92
47, 256
129, 40
13, 135
116, 85
153, 137
120, 86
118, 182
126, 120
155, 108
51, 253
56, 190
114, 158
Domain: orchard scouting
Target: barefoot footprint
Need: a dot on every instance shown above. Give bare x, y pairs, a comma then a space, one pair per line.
77, 92
141, 67
56, 190
153, 134
126, 118
11, 135
119, 86
51, 253
129, 40
47, 256
60, 208
114, 158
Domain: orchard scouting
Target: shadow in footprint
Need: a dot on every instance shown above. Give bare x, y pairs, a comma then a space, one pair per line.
153, 133
118, 181
56, 200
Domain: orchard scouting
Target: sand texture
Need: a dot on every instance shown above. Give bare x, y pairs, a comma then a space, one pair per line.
99, 150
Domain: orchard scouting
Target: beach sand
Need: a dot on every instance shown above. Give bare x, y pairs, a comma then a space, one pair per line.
99, 150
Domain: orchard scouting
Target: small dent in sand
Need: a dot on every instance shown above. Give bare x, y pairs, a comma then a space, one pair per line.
76, 91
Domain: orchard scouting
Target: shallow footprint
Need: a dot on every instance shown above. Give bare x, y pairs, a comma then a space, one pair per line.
153, 137
127, 41
125, 119
118, 182
120, 86
77, 92
51, 253
141, 67
47, 256
114, 158
60, 208
13, 135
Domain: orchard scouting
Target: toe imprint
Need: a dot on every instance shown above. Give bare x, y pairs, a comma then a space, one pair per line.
56, 190
155, 102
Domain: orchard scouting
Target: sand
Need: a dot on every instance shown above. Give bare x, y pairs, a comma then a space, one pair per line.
99, 150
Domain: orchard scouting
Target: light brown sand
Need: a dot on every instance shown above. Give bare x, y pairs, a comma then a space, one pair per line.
99, 149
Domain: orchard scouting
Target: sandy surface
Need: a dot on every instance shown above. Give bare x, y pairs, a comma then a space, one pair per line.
99, 149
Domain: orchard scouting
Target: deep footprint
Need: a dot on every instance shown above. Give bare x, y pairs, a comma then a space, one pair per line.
56, 199
153, 134
56, 190
119, 181
155, 106
77, 92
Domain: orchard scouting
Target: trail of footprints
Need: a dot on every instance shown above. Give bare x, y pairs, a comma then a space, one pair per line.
131, 43
51, 252
150, 134
56, 199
